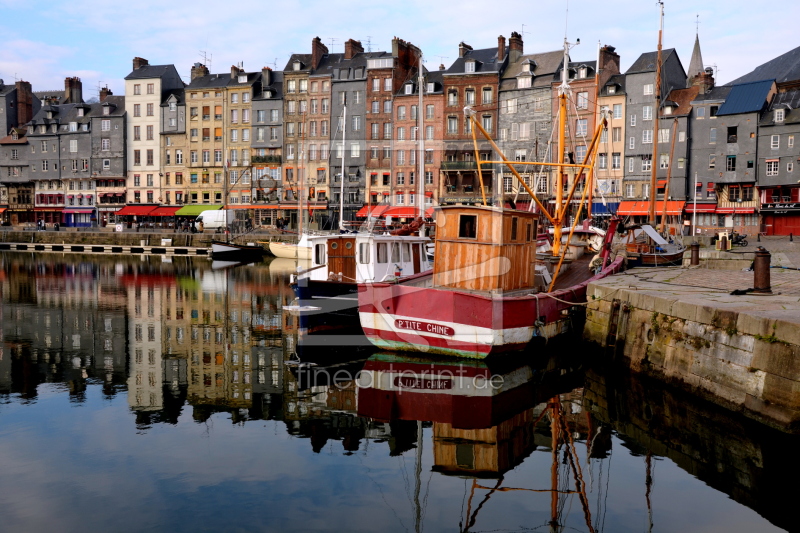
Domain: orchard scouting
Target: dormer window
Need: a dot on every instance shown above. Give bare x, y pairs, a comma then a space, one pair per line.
526, 67
106, 110
582, 72
80, 111
50, 114
84, 127
297, 65
524, 82
409, 88
243, 78
430, 88
73, 126
779, 114
469, 66
612, 89
668, 110
14, 136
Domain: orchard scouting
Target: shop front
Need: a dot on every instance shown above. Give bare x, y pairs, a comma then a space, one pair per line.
79, 217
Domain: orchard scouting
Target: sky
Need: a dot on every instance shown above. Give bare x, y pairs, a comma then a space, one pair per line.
45, 42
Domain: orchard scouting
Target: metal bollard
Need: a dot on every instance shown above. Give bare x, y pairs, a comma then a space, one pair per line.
723, 244
695, 254
761, 282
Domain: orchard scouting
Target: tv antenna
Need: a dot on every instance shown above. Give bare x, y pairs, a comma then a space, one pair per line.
523, 32
369, 43
206, 57
333, 41
442, 58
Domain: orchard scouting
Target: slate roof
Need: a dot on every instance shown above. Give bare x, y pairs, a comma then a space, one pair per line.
486, 61
591, 66
305, 59
785, 67
180, 97
717, 94
149, 72
545, 64
41, 95
431, 76
358, 61
117, 111
616, 79
647, 61
212, 81
789, 101
276, 87
746, 98
252, 77
5, 89
21, 133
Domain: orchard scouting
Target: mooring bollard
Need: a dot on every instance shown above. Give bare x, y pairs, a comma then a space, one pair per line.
695, 254
761, 271
723, 243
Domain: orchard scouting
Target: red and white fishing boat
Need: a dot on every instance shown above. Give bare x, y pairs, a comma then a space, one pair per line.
488, 292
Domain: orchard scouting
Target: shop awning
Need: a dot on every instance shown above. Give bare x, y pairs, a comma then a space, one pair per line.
599, 209
53, 209
136, 210
736, 210
660, 184
3, 209
701, 208
195, 209
163, 211
402, 212
373, 211
78, 211
642, 208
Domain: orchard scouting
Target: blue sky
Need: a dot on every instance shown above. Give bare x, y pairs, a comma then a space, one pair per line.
44, 42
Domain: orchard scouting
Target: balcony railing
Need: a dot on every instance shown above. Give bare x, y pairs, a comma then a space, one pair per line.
459, 165
266, 159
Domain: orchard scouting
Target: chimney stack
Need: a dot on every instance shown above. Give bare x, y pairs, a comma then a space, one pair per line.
609, 64
441, 66
266, 77
463, 48
139, 62
501, 48
73, 91
24, 102
234, 72
705, 80
105, 92
318, 51
351, 48
515, 47
199, 70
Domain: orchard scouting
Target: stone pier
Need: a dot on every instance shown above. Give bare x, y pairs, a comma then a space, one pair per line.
682, 325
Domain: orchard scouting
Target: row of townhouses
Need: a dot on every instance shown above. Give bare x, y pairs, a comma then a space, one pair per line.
344, 128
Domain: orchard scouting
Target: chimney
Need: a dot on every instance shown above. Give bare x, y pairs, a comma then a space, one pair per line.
463, 48
515, 49
139, 62
24, 102
441, 66
198, 70
609, 64
234, 72
73, 91
705, 80
318, 51
105, 92
266, 77
351, 48
501, 48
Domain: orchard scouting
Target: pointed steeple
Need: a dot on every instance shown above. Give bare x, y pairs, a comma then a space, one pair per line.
696, 63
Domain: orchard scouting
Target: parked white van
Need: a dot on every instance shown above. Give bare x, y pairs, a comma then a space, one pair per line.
215, 220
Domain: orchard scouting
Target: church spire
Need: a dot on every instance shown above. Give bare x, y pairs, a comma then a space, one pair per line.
696, 63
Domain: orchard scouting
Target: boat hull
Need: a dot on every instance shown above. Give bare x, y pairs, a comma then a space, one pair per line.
333, 306
406, 317
289, 251
229, 250
669, 259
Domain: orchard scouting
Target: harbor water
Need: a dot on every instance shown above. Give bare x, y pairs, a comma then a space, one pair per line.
177, 394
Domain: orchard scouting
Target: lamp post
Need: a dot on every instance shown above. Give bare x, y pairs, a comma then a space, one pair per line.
694, 207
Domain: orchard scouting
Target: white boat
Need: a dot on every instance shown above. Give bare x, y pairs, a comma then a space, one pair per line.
301, 250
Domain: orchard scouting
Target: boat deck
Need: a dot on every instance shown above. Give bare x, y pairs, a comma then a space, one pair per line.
577, 273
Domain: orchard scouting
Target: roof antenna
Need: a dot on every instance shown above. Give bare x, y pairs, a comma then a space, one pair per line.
369, 43
206, 58
566, 21
333, 42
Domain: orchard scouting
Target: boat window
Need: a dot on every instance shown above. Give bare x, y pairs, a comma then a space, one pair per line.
319, 254
528, 232
467, 226
383, 255
334, 245
396, 252
363, 253
406, 252
514, 221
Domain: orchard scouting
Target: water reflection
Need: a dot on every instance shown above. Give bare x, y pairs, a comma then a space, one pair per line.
258, 427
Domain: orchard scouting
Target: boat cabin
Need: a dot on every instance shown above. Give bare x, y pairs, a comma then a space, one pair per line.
485, 248
367, 257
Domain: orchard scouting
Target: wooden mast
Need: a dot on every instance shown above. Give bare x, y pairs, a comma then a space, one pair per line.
657, 94
562, 122
669, 175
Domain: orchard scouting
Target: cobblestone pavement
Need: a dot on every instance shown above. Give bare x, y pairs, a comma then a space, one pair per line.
783, 281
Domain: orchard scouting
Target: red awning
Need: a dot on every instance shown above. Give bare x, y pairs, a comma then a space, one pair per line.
701, 208
429, 212
78, 211
660, 184
402, 212
642, 208
429, 194
374, 211
736, 210
163, 211
138, 210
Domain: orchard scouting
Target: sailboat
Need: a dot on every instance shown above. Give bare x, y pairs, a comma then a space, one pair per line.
340, 262
227, 249
488, 292
648, 247
302, 249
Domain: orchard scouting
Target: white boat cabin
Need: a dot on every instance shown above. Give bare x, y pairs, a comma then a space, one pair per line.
358, 258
